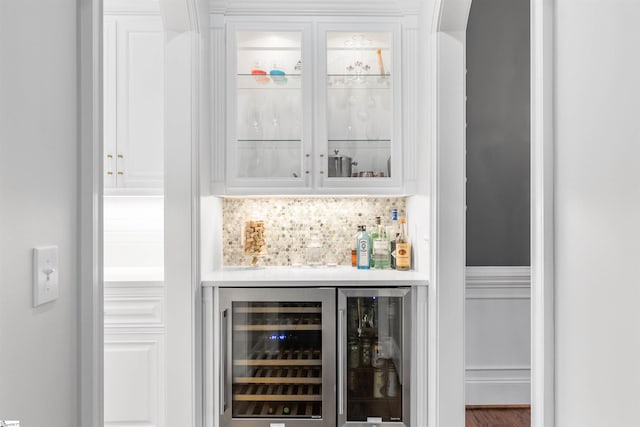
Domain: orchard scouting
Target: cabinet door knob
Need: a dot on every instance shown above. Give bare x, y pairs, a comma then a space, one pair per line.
307, 155
120, 173
307, 172
321, 172
109, 156
120, 156
321, 155
109, 173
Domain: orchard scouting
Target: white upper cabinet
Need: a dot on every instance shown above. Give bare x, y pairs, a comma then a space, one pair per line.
133, 104
311, 108
269, 110
358, 122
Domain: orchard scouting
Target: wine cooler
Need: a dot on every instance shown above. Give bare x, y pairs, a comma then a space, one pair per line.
278, 357
373, 357
314, 357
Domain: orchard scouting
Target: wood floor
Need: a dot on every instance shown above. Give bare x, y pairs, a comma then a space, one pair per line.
478, 416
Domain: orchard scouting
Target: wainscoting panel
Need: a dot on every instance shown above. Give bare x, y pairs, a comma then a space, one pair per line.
134, 307
134, 354
497, 335
133, 383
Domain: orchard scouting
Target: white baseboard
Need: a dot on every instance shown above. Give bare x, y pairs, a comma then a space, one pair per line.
498, 368
498, 386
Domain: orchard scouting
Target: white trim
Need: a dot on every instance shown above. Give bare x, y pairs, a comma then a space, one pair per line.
330, 8
498, 283
542, 217
91, 401
131, 7
449, 230
504, 385
506, 274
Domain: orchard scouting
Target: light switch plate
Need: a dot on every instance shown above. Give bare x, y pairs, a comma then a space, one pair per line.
45, 275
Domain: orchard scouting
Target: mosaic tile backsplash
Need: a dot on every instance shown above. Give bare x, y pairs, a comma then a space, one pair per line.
303, 230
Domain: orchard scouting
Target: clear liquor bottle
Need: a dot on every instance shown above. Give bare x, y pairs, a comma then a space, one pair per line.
380, 247
363, 244
374, 236
403, 248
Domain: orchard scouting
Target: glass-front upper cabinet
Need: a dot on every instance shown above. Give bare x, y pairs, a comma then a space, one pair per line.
361, 144
268, 129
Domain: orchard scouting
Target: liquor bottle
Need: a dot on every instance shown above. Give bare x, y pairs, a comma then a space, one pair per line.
363, 242
403, 248
374, 236
380, 247
393, 236
354, 250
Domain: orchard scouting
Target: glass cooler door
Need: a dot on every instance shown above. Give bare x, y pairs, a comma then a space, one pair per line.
279, 364
373, 356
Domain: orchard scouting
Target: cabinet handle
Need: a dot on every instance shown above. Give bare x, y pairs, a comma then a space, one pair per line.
321, 155
109, 173
307, 172
321, 172
109, 156
120, 156
120, 173
307, 155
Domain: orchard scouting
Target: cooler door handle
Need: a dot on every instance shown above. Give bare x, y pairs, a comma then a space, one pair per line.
341, 362
223, 360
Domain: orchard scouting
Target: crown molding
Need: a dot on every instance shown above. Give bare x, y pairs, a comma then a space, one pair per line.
316, 7
131, 7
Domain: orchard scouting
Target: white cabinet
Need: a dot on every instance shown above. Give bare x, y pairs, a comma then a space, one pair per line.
269, 139
359, 113
312, 108
133, 103
134, 354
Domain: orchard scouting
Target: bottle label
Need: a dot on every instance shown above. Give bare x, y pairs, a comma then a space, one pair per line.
403, 255
380, 246
363, 253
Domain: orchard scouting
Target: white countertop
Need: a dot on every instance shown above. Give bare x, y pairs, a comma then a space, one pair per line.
310, 276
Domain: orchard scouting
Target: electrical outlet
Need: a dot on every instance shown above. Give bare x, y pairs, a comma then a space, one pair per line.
45, 275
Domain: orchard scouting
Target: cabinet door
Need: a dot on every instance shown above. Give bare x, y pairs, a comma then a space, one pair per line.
359, 119
109, 102
140, 102
269, 119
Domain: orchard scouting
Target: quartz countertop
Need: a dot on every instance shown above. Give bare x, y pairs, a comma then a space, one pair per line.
311, 276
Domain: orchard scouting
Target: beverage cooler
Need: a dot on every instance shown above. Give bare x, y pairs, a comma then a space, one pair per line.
314, 357
373, 357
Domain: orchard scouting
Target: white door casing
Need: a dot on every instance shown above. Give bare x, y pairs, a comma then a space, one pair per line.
449, 261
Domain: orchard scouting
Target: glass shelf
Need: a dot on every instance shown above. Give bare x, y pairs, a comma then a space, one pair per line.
269, 140
358, 140
362, 81
267, 81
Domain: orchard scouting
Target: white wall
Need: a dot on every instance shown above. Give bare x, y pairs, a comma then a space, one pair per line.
133, 233
597, 211
38, 206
